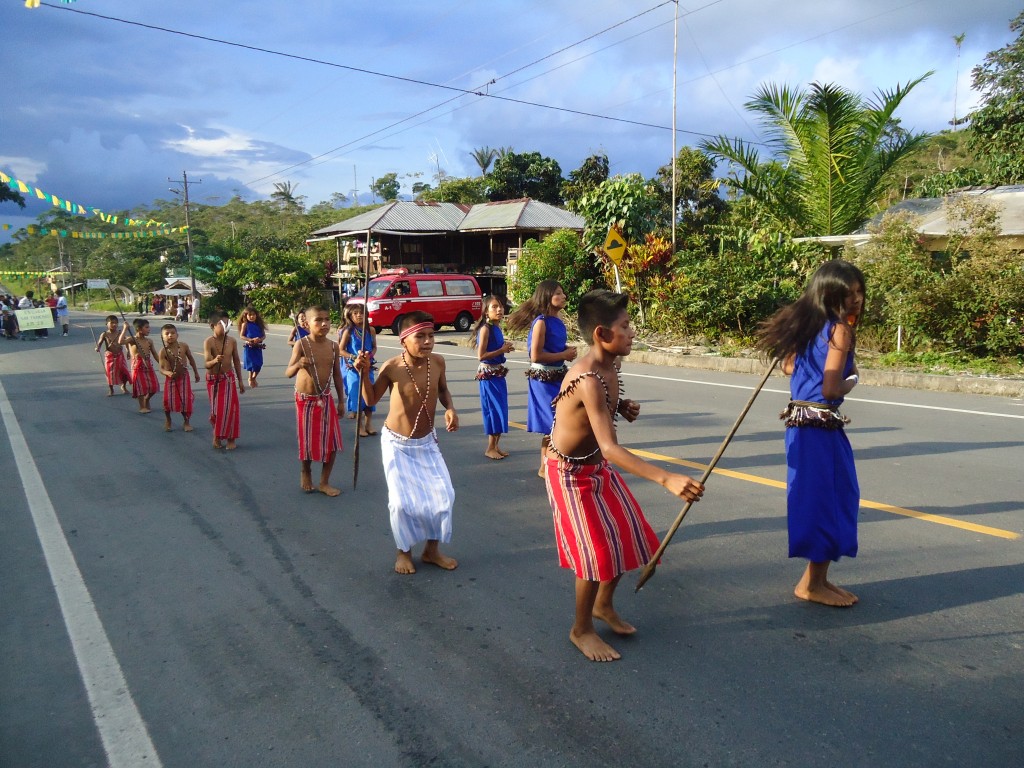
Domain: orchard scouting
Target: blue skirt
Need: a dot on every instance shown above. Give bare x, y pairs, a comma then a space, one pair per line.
823, 496
494, 404
350, 377
539, 411
252, 359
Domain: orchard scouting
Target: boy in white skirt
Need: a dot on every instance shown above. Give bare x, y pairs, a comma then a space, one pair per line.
420, 492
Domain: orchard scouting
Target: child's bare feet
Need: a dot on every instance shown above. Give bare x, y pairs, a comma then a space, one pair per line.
842, 592
232, 445
494, 454
822, 595
611, 617
188, 427
217, 444
124, 388
306, 480
111, 392
441, 561
167, 424
593, 647
503, 453
403, 563
145, 410
329, 490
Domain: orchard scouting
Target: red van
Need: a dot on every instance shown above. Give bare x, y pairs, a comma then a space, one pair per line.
450, 299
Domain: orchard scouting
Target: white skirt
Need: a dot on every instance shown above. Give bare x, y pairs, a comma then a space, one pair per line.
420, 492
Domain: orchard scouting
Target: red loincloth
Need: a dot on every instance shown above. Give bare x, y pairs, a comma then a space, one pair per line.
600, 530
116, 368
178, 397
318, 427
224, 411
144, 381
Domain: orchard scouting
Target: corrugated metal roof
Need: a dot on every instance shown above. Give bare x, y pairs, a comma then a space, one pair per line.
402, 217
1009, 201
519, 214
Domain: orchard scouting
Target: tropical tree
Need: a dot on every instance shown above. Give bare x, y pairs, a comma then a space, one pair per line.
529, 174
631, 202
6, 193
483, 157
833, 153
285, 198
998, 124
698, 203
386, 187
455, 190
591, 173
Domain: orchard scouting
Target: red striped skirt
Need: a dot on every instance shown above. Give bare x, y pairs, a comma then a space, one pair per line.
224, 411
178, 397
600, 530
319, 430
116, 368
144, 381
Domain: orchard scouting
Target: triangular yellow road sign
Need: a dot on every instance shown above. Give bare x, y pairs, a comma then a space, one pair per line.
615, 245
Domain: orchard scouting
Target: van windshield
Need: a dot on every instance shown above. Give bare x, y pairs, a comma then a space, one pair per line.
377, 287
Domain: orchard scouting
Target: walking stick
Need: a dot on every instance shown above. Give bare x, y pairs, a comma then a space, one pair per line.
359, 396
649, 569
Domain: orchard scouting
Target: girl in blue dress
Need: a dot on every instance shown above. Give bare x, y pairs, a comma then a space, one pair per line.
491, 348
252, 330
546, 342
814, 337
354, 338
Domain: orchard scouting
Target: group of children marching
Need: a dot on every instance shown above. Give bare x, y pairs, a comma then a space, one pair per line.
600, 530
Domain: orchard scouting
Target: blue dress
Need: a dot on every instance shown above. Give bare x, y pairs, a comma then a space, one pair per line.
252, 357
823, 496
539, 394
494, 389
350, 376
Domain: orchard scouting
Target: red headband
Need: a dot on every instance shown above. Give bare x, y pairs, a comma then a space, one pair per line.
415, 329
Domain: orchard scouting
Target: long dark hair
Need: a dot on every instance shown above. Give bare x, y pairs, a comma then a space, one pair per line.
538, 304
259, 319
485, 307
792, 328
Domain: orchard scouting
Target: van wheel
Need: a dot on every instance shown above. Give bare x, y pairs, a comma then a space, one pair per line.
463, 322
437, 326
377, 329
396, 327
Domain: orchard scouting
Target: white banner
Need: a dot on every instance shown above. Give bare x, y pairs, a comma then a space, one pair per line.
31, 319
103, 284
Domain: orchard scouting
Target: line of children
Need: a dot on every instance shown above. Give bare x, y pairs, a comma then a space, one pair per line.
600, 530
114, 365
420, 491
353, 339
491, 349
178, 395
549, 352
143, 368
252, 330
223, 374
315, 365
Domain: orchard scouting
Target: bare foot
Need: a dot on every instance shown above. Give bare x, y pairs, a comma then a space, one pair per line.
231, 445
363, 433
124, 388
306, 481
842, 592
187, 428
541, 472
167, 426
504, 453
145, 410
110, 393
593, 647
351, 415
329, 490
822, 595
441, 561
217, 444
403, 564
618, 625
495, 454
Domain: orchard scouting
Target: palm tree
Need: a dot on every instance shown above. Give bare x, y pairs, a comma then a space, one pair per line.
959, 41
833, 153
484, 156
285, 197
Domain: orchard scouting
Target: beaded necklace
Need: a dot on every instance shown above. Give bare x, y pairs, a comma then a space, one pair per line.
614, 411
423, 398
176, 360
321, 391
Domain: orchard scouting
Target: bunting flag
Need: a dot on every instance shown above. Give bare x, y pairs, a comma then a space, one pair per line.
26, 274
34, 229
35, 3
26, 189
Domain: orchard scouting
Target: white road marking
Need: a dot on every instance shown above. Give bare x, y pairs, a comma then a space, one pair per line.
121, 728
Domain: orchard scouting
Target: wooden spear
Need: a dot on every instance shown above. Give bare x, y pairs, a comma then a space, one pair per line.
362, 374
649, 569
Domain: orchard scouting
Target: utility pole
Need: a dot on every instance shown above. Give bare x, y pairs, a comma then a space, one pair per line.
188, 230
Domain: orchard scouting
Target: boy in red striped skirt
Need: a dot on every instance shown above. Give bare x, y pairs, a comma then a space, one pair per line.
173, 359
600, 529
315, 365
223, 374
114, 364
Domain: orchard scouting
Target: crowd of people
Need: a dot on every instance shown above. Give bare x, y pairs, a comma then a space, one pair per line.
55, 302
574, 403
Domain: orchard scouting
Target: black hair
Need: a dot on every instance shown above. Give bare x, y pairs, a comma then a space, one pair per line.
484, 306
600, 308
140, 322
215, 318
415, 318
792, 328
168, 327
538, 304
111, 317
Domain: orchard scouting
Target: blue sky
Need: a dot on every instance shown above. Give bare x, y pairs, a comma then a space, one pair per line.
102, 112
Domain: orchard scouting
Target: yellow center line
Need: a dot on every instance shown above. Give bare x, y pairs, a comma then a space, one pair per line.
926, 516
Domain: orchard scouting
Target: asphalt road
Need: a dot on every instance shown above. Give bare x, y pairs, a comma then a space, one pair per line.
254, 625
